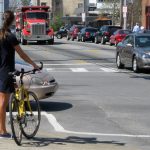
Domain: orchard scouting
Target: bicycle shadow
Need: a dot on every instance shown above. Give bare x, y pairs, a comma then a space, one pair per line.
43, 142
54, 106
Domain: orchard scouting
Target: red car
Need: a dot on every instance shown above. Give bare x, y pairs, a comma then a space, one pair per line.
73, 32
118, 36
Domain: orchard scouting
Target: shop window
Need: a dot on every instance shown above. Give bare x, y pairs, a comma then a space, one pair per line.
43, 4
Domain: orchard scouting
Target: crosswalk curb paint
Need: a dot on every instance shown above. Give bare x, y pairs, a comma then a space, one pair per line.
58, 128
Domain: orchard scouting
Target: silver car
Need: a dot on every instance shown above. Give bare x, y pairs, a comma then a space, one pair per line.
134, 51
41, 83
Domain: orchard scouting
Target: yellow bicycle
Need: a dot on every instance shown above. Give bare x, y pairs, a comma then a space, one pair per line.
24, 109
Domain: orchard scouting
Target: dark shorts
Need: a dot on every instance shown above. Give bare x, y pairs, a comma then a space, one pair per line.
7, 85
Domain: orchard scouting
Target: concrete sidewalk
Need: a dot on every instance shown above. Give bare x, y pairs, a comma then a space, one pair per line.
57, 141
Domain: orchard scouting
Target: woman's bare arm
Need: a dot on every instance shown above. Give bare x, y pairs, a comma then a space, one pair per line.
24, 56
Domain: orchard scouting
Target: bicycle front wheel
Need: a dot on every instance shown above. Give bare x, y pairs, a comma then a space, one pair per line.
32, 116
15, 120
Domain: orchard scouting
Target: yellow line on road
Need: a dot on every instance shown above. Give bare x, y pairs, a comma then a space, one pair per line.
80, 62
93, 51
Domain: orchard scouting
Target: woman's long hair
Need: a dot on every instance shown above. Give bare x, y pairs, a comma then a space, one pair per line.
8, 18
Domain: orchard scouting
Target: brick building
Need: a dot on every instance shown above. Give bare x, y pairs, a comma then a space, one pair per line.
146, 14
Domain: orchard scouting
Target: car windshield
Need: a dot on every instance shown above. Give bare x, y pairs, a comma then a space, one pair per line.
91, 30
142, 41
80, 27
125, 32
37, 15
113, 29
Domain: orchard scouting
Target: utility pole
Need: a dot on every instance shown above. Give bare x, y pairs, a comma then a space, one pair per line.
85, 11
125, 14
1, 10
38, 2
121, 16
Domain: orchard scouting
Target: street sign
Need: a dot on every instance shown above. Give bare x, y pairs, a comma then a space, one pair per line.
83, 17
124, 9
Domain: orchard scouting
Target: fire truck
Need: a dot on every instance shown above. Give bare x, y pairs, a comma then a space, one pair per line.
33, 24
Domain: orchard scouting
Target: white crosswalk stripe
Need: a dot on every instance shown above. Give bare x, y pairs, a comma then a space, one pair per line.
80, 70
109, 69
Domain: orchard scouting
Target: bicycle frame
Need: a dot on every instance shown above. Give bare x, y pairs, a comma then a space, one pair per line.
22, 96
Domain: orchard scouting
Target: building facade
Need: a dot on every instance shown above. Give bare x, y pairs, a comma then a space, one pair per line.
146, 14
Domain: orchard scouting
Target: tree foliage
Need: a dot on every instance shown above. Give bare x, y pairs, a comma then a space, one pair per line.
134, 13
57, 22
112, 9
25, 2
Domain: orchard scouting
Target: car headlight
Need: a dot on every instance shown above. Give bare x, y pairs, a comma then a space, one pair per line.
38, 81
144, 56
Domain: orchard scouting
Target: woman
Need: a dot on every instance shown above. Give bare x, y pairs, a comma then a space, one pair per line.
8, 46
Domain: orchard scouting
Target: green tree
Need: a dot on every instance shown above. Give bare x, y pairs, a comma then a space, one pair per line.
57, 22
112, 9
25, 2
134, 13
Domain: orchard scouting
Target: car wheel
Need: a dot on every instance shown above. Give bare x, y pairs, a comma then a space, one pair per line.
119, 64
72, 38
59, 36
78, 39
135, 67
103, 41
68, 37
51, 42
23, 41
110, 43
83, 40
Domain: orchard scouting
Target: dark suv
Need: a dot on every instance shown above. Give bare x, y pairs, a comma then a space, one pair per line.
104, 33
87, 34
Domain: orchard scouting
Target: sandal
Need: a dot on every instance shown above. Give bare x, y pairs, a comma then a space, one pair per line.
5, 135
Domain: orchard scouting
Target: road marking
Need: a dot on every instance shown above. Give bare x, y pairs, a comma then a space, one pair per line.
59, 128
68, 64
109, 69
81, 62
102, 69
79, 70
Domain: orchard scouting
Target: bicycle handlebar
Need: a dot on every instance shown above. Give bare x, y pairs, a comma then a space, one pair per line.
22, 72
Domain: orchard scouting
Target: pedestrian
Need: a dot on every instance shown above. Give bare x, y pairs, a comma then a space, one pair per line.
8, 46
142, 29
136, 28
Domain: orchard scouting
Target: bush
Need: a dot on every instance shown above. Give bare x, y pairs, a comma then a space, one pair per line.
57, 23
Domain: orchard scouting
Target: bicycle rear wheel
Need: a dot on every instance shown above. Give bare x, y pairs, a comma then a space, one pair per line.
15, 119
32, 116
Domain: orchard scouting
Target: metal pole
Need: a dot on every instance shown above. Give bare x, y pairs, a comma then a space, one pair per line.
125, 15
38, 2
86, 3
121, 16
1, 11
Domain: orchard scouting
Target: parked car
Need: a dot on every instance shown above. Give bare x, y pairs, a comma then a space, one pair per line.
73, 32
134, 51
118, 36
42, 84
61, 33
104, 33
87, 34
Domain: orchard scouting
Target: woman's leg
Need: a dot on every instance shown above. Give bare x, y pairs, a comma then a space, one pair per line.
4, 98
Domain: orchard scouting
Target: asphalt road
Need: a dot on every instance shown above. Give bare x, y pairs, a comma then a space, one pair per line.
97, 106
